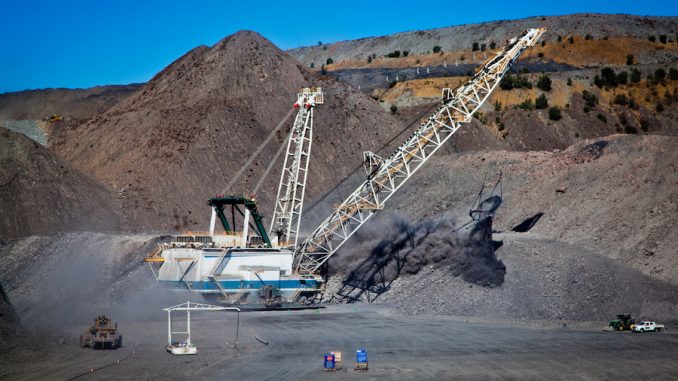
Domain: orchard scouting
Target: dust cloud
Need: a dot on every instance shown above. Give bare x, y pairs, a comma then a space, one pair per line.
400, 247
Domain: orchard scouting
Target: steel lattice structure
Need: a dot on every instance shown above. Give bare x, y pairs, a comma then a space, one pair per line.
386, 176
290, 198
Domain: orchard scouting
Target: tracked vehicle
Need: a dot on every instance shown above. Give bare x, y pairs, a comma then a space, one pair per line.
103, 334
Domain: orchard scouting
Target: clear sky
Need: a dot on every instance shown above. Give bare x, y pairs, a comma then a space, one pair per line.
73, 44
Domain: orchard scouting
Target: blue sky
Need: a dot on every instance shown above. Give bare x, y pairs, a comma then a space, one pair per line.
87, 43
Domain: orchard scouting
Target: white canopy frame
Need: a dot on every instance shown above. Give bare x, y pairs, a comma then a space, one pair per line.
190, 306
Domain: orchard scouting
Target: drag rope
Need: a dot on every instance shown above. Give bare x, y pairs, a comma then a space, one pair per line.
117, 362
244, 167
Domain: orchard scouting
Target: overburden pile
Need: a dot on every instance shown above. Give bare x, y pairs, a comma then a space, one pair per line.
404, 248
181, 137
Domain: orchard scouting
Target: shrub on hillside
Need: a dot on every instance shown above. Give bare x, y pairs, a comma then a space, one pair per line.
554, 113
515, 82
330, 61
541, 103
608, 76
629, 59
623, 78
635, 76
526, 105
437, 49
544, 83
590, 99
621, 99
630, 129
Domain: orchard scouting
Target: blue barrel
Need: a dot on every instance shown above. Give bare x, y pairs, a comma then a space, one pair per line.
329, 361
361, 356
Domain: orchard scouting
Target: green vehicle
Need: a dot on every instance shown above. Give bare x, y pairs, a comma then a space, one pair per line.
623, 322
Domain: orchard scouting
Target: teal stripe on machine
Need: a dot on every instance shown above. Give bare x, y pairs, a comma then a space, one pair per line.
234, 285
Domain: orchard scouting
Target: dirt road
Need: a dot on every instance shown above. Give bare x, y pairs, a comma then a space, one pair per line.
399, 347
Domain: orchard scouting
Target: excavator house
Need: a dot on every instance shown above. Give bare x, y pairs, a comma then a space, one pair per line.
256, 266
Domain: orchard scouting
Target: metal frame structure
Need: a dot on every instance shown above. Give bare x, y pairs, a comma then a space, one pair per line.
290, 198
188, 307
386, 176
250, 205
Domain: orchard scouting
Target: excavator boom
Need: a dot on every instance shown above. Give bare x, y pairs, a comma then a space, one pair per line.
386, 176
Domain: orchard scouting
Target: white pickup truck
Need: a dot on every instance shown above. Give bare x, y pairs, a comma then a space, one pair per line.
648, 326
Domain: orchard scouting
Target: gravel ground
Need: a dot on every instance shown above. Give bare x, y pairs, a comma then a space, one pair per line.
399, 347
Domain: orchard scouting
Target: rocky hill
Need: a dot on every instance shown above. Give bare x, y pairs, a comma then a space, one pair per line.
590, 76
579, 233
461, 38
42, 194
182, 136
69, 103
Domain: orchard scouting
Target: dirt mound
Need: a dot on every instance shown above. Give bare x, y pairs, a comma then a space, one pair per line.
616, 196
545, 280
74, 103
42, 194
180, 138
593, 233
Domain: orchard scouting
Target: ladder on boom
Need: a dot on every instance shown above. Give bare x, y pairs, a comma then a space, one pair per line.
289, 201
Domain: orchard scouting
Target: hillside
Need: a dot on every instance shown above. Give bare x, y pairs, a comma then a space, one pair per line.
461, 38
182, 136
69, 103
42, 194
635, 54
602, 239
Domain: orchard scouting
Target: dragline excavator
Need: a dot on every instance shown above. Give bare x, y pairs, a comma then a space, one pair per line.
271, 267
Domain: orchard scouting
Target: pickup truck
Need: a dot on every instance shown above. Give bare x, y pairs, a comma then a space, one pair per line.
648, 326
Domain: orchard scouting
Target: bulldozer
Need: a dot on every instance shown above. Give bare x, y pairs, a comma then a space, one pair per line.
623, 322
102, 335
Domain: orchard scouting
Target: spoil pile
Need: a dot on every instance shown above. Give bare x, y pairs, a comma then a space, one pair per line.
181, 137
42, 194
